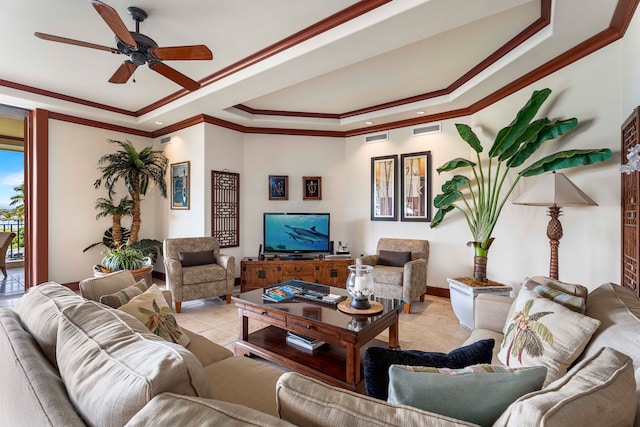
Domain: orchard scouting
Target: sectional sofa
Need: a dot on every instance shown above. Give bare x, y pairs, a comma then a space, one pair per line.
71, 361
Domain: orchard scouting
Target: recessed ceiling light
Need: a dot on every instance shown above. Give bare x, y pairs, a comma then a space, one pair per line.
368, 123
158, 122
419, 113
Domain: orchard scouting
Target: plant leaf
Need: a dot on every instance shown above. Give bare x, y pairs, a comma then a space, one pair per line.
467, 134
566, 159
510, 134
454, 183
529, 134
446, 199
455, 164
552, 131
439, 216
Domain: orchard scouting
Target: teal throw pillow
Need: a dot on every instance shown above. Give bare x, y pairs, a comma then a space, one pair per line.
478, 394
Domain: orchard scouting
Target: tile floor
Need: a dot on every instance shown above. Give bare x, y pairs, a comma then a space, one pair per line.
431, 326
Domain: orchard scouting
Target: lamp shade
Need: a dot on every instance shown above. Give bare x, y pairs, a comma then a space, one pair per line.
554, 189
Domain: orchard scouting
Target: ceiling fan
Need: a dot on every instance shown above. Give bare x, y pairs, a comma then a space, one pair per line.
139, 48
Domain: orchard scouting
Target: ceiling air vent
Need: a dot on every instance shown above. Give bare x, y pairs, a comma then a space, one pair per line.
165, 140
379, 137
427, 129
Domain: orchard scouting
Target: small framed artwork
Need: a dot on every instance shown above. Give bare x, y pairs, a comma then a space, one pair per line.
180, 185
416, 186
311, 188
384, 177
278, 187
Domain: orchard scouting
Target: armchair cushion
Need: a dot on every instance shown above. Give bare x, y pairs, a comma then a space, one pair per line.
377, 361
203, 273
190, 259
394, 258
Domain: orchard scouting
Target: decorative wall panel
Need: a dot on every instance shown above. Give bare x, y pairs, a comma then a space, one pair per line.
225, 208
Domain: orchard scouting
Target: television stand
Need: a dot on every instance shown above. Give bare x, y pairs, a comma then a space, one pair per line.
255, 274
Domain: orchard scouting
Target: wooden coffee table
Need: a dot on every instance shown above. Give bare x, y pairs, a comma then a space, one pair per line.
339, 361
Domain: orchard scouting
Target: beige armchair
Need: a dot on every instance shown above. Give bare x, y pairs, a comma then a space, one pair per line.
196, 269
5, 241
399, 269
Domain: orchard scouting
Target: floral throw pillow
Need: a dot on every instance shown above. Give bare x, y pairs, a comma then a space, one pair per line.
152, 309
544, 333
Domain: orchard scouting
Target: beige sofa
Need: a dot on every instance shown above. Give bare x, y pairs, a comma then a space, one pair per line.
59, 371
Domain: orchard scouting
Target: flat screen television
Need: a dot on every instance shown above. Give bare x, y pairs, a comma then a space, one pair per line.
296, 233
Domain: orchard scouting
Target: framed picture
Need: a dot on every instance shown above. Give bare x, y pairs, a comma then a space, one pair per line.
311, 188
180, 185
416, 186
384, 174
278, 187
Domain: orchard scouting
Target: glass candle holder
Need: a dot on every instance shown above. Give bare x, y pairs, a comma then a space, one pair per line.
360, 286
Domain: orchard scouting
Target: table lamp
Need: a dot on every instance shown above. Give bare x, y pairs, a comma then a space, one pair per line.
554, 191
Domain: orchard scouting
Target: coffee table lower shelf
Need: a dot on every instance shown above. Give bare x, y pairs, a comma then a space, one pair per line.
327, 363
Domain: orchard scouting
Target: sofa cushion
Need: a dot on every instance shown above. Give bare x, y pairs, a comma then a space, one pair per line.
169, 410
203, 273
31, 391
152, 309
572, 302
544, 333
491, 388
245, 381
206, 350
377, 361
304, 401
189, 259
394, 258
112, 365
619, 311
597, 392
94, 287
117, 299
40, 310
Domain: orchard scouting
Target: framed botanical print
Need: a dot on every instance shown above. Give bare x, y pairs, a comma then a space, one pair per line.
180, 185
278, 187
311, 188
416, 186
384, 177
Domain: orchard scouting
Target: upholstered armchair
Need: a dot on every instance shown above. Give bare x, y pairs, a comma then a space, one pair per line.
5, 241
399, 269
196, 269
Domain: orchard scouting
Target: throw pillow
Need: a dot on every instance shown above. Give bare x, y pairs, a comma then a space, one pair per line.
393, 258
190, 259
377, 361
567, 288
544, 333
122, 297
478, 394
595, 392
572, 302
152, 309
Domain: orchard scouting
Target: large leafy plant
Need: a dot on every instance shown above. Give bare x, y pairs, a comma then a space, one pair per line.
481, 199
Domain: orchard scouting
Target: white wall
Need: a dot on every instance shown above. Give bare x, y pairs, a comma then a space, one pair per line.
631, 66
295, 156
590, 90
74, 151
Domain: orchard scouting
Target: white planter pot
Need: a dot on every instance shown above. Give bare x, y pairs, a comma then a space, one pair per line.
463, 299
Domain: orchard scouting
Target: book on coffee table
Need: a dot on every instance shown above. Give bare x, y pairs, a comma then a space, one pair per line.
304, 342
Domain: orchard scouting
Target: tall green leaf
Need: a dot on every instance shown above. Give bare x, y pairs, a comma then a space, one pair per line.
566, 159
439, 216
455, 183
455, 164
468, 135
551, 131
445, 199
510, 134
529, 134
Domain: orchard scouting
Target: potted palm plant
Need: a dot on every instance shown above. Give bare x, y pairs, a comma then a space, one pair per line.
481, 197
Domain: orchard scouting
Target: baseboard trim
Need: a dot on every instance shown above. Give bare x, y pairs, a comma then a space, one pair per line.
438, 292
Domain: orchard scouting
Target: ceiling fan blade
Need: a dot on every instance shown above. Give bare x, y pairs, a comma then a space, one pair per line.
174, 75
181, 52
123, 72
114, 22
74, 42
